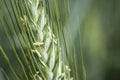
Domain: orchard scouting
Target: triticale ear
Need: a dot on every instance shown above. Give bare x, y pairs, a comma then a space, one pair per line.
33, 50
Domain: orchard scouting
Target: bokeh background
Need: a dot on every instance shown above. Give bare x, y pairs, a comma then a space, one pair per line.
99, 23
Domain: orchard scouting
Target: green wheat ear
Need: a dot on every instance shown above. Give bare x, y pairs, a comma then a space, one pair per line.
43, 57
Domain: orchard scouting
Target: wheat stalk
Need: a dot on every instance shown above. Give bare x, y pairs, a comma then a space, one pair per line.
43, 59
46, 45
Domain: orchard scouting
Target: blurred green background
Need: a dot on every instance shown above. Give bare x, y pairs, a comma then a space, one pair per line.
99, 23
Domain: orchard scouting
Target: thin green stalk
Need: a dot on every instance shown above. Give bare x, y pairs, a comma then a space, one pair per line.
81, 52
7, 59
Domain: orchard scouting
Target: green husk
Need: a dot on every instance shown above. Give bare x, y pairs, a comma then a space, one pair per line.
42, 54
